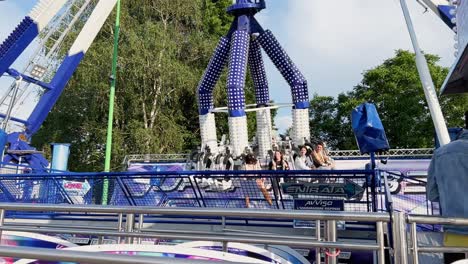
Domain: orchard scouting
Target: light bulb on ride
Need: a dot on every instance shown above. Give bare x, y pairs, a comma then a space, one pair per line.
453, 20
452, 11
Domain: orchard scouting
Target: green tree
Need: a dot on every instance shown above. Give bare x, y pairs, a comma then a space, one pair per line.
394, 87
164, 48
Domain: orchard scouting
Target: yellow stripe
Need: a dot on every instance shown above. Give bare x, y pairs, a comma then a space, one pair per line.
455, 240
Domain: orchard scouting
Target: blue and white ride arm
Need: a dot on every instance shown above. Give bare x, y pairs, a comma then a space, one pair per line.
70, 64
205, 94
442, 8
27, 30
262, 98
297, 82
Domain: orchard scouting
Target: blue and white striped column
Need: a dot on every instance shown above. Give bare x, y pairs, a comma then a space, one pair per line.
262, 97
297, 82
70, 63
28, 29
237, 120
205, 95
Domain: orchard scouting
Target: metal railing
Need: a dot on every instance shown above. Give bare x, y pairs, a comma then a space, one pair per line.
421, 152
415, 249
130, 227
88, 257
220, 189
326, 240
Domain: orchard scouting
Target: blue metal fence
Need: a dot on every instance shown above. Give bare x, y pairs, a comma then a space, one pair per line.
221, 189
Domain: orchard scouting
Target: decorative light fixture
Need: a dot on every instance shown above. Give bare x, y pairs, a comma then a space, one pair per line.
38, 71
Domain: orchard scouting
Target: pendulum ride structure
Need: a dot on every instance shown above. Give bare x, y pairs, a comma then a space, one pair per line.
48, 24
241, 47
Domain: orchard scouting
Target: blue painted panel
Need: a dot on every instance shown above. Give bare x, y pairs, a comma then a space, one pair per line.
48, 100
301, 105
236, 113
17, 42
444, 11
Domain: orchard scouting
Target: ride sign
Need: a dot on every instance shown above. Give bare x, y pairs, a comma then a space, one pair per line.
76, 188
317, 204
349, 189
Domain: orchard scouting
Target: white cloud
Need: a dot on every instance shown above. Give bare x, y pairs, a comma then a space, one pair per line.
334, 42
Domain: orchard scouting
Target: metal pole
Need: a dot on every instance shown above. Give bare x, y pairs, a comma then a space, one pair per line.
140, 226
119, 227
105, 187
318, 259
18, 81
426, 81
223, 224
130, 222
414, 241
380, 243
399, 236
331, 235
2, 219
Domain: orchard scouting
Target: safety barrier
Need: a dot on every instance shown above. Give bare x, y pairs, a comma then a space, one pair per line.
408, 194
325, 238
221, 189
88, 257
413, 247
129, 224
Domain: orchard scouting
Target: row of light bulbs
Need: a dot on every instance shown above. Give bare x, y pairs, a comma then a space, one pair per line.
453, 12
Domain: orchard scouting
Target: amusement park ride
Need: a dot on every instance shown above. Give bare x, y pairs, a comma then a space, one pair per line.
48, 72
350, 188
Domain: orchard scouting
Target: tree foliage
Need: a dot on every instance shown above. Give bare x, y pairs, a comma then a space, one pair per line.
164, 48
394, 87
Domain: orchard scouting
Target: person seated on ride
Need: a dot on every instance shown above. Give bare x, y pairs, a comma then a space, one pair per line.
278, 162
251, 163
320, 159
301, 161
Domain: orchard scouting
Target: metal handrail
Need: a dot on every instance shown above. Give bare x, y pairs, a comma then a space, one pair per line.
400, 229
329, 242
421, 152
247, 213
424, 219
214, 236
88, 257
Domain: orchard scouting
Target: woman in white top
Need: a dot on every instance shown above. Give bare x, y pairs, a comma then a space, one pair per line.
301, 160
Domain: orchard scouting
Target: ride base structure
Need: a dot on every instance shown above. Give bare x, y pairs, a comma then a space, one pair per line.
241, 49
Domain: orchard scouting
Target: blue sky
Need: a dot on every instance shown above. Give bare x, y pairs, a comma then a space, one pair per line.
332, 42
